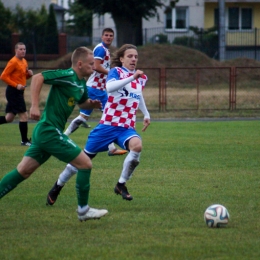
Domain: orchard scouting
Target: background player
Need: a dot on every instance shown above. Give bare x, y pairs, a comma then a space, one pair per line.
15, 75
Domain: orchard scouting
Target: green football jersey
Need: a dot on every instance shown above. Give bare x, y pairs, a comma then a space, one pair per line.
66, 91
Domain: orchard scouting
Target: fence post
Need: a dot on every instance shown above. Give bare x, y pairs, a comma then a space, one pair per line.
62, 44
15, 39
162, 90
232, 88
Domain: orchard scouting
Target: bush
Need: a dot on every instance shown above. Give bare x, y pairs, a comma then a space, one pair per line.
184, 41
160, 38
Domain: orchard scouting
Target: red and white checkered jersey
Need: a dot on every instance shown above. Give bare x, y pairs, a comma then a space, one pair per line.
121, 106
98, 80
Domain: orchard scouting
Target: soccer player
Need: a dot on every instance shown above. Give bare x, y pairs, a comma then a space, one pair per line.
124, 86
96, 85
68, 89
15, 75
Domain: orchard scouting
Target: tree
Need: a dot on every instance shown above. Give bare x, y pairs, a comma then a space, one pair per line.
30, 24
51, 33
127, 16
80, 22
5, 30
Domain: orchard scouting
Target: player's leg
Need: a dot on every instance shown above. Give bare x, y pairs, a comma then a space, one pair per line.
97, 142
8, 118
23, 127
76, 122
64, 149
10, 115
134, 144
83, 163
24, 170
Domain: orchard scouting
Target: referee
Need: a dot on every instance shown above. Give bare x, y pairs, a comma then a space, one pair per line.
15, 75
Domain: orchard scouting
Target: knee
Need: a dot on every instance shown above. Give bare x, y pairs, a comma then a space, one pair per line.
9, 118
137, 147
23, 117
24, 171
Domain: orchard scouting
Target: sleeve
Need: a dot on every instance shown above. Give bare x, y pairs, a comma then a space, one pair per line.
5, 76
143, 108
114, 83
99, 53
57, 77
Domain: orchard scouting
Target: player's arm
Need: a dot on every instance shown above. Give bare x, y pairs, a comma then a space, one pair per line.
90, 104
99, 68
36, 86
6, 74
114, 84
29, 73
143, 108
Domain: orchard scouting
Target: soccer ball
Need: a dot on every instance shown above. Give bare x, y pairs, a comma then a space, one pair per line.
216, 216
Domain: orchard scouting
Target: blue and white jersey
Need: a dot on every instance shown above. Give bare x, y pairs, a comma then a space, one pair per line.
121, 106
98, 80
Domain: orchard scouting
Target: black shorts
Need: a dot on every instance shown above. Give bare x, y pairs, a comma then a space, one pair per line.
15, 100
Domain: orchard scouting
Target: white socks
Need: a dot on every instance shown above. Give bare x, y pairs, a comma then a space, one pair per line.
130, 163
67, 173
111, 147
74, 125
83, 209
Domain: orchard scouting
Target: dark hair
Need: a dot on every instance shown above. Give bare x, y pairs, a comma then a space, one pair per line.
108, 30
81, 53
115, 60
17, 44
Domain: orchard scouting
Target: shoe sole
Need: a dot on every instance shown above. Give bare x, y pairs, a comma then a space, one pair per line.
97, 218
115, 154
49, 201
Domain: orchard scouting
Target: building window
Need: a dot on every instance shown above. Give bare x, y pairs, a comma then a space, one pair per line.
239, 18
216, 17
176, 18
246, 16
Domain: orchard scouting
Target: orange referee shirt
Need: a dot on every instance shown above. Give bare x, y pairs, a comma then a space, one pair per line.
15, 72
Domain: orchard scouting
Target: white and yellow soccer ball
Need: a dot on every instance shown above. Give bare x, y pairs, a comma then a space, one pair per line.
216, 216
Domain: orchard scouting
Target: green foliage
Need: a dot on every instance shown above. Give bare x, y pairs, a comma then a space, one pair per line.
184, 41
80, 23
184, 168
127, 16
51, 33
5, 29
206, 41
160, 38
33, 25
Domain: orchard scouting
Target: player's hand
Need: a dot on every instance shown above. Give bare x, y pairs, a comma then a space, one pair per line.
35, 113
138, 74
95, 103
20, 87
146, 123
30, 72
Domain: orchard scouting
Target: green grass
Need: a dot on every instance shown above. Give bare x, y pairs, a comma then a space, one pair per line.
185, 167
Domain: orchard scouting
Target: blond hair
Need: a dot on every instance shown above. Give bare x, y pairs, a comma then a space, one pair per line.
81, 53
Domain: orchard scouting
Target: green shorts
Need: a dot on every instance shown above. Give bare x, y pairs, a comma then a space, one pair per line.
48, 140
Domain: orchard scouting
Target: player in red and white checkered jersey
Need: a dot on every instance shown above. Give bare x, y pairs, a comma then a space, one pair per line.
124, 86
96, 86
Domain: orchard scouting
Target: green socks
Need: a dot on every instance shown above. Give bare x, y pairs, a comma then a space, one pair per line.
9, 182
83, 186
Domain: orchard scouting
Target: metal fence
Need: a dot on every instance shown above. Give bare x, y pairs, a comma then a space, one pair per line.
195, 88
203, 88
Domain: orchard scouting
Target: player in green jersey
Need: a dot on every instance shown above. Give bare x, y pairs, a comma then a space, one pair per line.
67, 90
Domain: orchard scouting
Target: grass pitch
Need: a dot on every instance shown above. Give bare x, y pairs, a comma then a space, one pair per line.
185, 167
